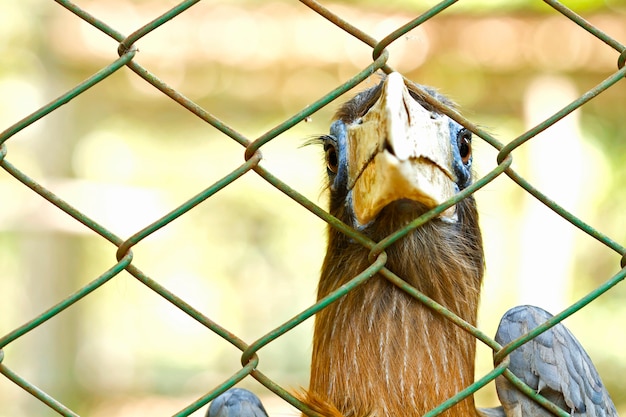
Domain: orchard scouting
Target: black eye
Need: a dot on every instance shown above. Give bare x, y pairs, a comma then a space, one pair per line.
332, 160
464, 142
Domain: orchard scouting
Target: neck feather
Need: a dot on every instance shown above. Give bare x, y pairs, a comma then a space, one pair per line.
378, 351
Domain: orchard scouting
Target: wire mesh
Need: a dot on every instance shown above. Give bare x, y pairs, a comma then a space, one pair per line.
253, 158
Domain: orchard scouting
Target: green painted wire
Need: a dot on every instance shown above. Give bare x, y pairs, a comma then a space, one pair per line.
253, 157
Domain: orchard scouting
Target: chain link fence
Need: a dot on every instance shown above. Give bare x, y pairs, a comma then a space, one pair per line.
253, 164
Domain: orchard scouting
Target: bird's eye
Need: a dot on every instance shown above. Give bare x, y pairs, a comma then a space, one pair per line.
464, 142
332, 160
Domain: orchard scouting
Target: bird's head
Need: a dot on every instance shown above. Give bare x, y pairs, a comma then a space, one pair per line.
389, 151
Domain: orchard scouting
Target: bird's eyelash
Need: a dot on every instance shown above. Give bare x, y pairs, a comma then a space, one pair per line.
319, 140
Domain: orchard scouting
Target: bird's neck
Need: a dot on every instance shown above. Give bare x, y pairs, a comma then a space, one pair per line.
378, 351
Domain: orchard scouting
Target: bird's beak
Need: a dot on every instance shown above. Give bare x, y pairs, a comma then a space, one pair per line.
398, 151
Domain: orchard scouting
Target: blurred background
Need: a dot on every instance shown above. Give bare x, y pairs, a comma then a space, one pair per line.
249, 257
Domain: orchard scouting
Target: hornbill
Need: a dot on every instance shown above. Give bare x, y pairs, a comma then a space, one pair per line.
379, 352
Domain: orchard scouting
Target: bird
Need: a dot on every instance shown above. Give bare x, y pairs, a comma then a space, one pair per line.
390, 157
237, 402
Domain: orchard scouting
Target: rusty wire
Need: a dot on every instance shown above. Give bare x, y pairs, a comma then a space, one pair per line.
252, 154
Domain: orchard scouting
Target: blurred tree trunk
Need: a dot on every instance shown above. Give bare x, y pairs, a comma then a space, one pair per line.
51, 257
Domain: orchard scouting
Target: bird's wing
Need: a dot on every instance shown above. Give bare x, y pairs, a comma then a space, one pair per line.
491, 412
554, 364
236, 402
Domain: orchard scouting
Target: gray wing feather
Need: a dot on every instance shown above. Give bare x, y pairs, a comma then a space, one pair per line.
236, 402
554, 364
